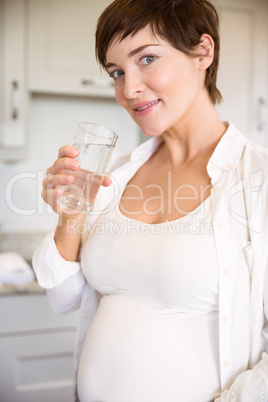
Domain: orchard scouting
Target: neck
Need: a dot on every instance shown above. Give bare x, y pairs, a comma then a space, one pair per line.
196, 134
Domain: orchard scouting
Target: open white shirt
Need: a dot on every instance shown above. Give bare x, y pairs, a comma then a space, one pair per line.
238, 170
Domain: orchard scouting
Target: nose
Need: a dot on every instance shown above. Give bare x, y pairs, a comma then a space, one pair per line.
133, 85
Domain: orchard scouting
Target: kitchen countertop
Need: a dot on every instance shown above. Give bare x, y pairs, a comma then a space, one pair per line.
22, 289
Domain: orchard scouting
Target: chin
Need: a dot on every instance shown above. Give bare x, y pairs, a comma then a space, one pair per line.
150, 131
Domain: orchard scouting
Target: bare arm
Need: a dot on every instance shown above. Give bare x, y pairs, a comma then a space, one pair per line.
68, 237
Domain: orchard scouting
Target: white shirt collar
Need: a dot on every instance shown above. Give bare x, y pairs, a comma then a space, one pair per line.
146, 149
226, 155
228, 151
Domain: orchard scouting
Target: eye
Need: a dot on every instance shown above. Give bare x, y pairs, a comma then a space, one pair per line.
148, 59
116, 74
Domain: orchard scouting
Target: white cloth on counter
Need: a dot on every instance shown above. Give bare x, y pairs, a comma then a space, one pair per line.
14, 269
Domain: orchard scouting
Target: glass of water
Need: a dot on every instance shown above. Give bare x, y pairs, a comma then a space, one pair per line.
95, 144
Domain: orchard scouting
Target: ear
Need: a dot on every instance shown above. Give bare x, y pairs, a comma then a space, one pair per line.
205, 52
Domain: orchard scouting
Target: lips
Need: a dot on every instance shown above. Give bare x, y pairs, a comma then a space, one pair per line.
144, 105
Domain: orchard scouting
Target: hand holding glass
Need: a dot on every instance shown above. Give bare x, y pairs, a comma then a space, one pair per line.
95, 144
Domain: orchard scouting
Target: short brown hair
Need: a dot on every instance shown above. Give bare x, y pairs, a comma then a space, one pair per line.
180, 22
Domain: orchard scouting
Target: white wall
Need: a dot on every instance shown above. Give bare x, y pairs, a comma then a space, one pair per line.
54, 119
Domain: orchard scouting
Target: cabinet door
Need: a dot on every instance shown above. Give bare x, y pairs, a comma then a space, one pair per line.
37, 367
62, 48
36, 349
13, 97
243, 73
32, 313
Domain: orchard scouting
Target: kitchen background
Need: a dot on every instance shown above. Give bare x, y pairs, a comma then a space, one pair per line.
49, 81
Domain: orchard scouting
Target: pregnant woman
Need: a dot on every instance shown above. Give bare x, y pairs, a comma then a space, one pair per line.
170, 274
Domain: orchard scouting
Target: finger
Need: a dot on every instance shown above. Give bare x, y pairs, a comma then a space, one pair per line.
63, 164
106, 180
52, 181
68, 150
51, 197
48, 170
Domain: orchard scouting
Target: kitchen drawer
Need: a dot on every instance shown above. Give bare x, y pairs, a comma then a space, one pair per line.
26, 313
37, 367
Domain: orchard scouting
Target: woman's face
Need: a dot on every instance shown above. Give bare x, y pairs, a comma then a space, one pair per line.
157, 84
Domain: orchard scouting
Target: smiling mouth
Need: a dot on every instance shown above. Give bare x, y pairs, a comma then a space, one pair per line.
149, 104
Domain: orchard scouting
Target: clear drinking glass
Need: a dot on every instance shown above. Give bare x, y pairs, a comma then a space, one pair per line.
95, 144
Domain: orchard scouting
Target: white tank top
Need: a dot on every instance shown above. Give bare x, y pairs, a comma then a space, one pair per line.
155, 335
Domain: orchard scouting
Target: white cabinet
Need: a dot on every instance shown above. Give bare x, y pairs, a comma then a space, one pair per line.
62, 48
14, 99
36, 349
243, 73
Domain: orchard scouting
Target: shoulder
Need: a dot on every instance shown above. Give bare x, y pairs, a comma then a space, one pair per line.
255, 157
250, 157
254, 166
256, 150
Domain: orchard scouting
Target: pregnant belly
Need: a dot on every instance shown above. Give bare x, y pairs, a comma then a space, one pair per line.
138, 350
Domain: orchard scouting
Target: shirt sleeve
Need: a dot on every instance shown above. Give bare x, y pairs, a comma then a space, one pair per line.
67, 296
50, 267
63, 280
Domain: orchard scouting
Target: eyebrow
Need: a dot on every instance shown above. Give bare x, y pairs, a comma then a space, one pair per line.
132, 53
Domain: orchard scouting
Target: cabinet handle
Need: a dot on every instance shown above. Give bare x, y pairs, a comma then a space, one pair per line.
97, 82
15, 100
262, 114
